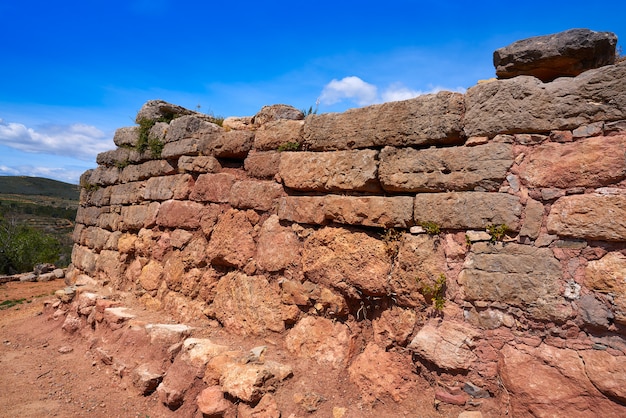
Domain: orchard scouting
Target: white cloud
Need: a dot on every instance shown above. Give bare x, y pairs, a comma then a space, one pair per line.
75, 141
351, 88
355, 90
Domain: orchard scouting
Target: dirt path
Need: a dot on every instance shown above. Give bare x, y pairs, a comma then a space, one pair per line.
44, 372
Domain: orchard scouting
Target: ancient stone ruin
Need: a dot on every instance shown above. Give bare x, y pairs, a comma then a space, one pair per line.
470, 244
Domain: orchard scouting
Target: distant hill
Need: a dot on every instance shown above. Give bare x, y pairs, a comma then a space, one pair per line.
38, 186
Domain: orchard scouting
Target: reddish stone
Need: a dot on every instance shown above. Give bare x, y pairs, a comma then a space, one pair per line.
446, 397
213, 188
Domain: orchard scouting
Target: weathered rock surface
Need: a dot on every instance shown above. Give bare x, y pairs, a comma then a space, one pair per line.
330, 171
591, 162
276, 112
606, 276
589, 216
468, 210
549, 381
483, 167
526, 105
247, 305
328, 343
346, 261
380, 374
279, 133
157, 109
561, 54
388, 212
425, 120
518, 275
447, 344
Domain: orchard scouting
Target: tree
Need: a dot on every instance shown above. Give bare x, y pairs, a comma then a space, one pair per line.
21, 247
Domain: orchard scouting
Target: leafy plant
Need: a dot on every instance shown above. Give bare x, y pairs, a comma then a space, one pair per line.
311, 111
22, 246
497, 232
122, 164
289, 146
436, 292
431, 228
391, 237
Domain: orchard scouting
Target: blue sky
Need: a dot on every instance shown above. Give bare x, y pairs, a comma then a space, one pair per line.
71, 72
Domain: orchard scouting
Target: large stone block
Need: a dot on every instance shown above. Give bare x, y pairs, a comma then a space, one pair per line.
518, 275
526, 105
553, 381
274, 134
139, 216
199, 164
247, 305
330, 171
84, 259
254, 194
180, 214
380, 374
278, 246
231, 144
350, 262
387, 212
607, 275
591, 162
231, 241
327, 342
126, 137
483, 167
419, 262
183, 147
103, 176
468, 210
127, 193
191, 126
95, 238
448, 344
154, 168
564, 54
425, 120
589, 216
262, 164
176, 187
213, 188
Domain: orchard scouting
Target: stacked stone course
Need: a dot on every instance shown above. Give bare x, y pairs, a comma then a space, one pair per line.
224, 226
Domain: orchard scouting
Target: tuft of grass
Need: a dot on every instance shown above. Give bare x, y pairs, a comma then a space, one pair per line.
289, 146
11, 303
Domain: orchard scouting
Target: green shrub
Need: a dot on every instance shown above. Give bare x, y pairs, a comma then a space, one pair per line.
435, 293
21, 247
497, 232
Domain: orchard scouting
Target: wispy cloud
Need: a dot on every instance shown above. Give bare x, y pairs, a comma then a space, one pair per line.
77, 140
58, 173
355, 90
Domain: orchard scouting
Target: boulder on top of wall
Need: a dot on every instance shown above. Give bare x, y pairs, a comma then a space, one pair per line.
191, 126
526, 105
482, 167
155, 110
425, 120
564, 54
276, 112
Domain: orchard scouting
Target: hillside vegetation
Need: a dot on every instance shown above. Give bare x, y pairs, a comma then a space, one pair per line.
36, 222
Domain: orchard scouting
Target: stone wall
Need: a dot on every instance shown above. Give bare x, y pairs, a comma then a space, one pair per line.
391, 217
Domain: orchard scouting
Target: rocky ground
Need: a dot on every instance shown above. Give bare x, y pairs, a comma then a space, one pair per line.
48, 371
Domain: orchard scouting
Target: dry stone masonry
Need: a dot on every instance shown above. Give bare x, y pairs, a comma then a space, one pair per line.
473, 239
